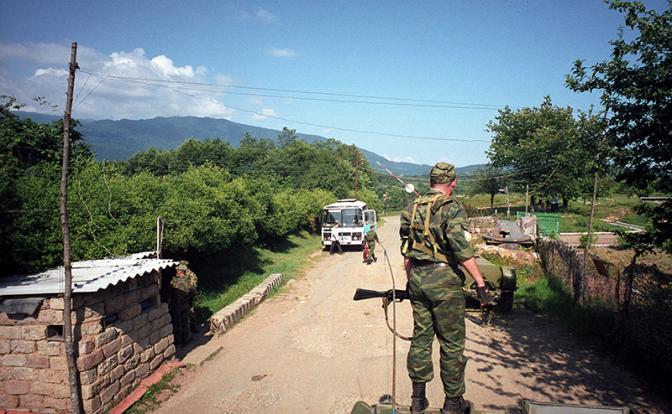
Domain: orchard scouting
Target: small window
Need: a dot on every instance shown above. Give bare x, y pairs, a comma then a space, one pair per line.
55, 332
148, 303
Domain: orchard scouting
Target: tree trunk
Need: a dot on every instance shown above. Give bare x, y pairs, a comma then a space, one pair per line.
492, 201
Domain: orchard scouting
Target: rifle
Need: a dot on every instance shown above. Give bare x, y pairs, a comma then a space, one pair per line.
391, 294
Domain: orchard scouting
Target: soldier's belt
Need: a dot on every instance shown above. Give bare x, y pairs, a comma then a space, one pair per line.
429, 263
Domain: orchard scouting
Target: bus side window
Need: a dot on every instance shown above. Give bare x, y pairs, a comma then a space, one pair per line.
366, 217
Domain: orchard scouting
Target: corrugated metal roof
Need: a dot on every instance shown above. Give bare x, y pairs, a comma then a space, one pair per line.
87, 276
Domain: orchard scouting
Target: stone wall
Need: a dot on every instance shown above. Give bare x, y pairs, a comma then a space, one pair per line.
124, 334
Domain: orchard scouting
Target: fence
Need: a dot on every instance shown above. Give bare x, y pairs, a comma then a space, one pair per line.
548, 223
637, 300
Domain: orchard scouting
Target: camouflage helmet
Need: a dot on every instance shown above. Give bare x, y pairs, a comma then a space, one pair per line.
183, 265
442, 173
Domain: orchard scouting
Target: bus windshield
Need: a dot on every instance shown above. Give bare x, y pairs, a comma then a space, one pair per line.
331, 217
352, 217
348, 217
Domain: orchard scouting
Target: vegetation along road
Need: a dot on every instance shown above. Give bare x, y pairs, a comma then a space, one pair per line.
312, 349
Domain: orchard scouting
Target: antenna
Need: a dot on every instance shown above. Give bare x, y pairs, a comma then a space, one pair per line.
409, 188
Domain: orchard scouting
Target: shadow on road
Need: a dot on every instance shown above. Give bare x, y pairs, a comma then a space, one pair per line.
549, 362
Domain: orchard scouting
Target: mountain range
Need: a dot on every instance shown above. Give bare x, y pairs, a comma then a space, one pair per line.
119, 140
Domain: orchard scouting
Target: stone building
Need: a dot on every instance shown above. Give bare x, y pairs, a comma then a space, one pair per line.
122, 329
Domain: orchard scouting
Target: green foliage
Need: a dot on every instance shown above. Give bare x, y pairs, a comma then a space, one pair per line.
212, 197
223, 279
488, 180
545, 147
635, 84
587, 242
30, 158
150, 399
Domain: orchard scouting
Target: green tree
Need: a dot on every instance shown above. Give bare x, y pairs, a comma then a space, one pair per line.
541, 146
636, 87
28, 148
488, 180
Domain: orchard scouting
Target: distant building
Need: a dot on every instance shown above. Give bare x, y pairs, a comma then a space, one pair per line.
122, 328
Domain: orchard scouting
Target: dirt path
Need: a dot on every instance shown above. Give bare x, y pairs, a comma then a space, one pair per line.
312, 349
602, 239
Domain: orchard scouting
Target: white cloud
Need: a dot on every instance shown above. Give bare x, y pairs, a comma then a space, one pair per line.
264, 15
59, 73
259, 14
403, 158
282, 52
265, 114
100, 98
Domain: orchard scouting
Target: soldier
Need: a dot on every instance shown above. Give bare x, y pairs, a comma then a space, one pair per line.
182, 303
433, 242
371, 238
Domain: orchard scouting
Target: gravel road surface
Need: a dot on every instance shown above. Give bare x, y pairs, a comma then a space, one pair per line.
312, 349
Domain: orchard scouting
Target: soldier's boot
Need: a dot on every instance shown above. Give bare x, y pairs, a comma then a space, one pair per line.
455, 405
419, 402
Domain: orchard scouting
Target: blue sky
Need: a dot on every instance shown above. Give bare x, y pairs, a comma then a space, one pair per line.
487, 53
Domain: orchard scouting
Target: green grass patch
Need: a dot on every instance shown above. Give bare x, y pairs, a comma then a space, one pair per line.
226, 277
149, 401
548, 295
636, 220
572, 222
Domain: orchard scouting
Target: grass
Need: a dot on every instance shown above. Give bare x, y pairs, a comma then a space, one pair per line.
572, 222
225, 277
636, 220
150, 401
617, 207
547, 295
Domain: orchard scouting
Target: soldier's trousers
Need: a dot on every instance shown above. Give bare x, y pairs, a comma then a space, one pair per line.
179, 315
438, 308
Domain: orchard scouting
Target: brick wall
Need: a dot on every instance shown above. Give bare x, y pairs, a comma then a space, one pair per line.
124, 334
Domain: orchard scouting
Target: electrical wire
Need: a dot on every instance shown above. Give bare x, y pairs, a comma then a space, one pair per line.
387, 100
333, 127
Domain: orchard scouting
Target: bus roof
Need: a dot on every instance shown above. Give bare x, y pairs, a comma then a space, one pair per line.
347, 203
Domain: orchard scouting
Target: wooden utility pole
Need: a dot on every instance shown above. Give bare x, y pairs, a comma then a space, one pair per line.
582, 285
356, 170
159, 236
527, 197
75, 395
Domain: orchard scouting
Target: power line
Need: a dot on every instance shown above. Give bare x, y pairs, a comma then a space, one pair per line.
337, 128
382, 100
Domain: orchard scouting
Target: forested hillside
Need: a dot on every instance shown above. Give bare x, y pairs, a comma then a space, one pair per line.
119, 140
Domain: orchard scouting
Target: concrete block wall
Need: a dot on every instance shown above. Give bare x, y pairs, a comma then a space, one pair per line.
124, 334
225, 318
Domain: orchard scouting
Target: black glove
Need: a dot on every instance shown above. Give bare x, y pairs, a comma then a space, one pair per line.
484, 295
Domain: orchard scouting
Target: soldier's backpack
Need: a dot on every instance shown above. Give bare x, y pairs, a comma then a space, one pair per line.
425, 233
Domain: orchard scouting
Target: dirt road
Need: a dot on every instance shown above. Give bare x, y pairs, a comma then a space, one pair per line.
602, 239
311, 349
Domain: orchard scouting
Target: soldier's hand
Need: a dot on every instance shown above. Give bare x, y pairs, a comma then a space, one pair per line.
484, 295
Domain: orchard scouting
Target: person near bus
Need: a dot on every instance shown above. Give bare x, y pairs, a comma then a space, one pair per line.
335, 240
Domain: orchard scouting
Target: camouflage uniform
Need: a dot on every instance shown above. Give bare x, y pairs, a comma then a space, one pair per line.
435, 289
371, 238
182, 304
